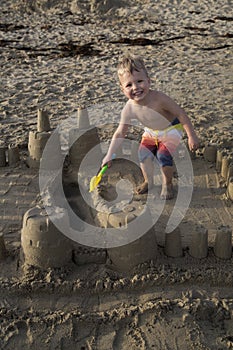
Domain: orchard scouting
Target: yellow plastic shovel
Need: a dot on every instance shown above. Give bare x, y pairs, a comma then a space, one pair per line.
95, 180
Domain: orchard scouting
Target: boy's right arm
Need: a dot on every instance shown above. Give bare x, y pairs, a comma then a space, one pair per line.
116, 141
118, 137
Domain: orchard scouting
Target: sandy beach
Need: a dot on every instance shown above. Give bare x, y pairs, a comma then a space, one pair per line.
61, 56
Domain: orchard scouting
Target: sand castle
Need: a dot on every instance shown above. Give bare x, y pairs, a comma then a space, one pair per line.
45, 246
38, 138
42, 243
9, 155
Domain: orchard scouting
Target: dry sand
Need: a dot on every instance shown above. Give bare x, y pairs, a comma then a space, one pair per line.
62, 56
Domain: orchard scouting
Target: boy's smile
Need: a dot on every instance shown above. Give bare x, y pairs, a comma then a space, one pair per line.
135, 85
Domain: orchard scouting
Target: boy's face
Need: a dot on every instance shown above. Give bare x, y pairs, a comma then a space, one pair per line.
135, 86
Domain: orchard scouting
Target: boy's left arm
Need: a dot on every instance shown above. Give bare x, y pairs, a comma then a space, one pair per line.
193, 141
175, 110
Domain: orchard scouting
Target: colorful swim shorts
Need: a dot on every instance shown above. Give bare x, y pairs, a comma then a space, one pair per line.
161, 143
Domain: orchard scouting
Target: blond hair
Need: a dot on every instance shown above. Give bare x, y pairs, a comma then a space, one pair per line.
130, 63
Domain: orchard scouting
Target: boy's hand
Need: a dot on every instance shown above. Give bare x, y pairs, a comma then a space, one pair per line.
107, 160
193, 143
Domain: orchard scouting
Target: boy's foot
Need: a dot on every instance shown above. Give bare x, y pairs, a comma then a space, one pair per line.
167, 192
143, 188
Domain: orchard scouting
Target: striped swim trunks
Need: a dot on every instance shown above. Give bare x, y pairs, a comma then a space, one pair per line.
161, 143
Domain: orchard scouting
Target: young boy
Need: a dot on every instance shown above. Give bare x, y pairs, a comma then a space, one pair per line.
162, 118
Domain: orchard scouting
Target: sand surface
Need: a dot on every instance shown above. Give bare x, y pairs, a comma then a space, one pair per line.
64, 56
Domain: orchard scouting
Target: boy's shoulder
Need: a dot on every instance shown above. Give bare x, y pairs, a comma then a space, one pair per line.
157, 94
128, 107
159, 98
128, 110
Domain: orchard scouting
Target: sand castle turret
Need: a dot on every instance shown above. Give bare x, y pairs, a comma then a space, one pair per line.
128, 256
43, 244
39, 138
173, 246
82, 138
36, 145
83, 118
43, 123
210, 153
13, 155
230, 171
223, 242
225, 166
141, 250
2, 155
230, 189
2, 247
199, 243
9, 155
219, 156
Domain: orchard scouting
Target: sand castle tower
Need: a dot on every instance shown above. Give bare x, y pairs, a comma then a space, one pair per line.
2, 155
43, 123
38, 140
82, 138
3, 251
141, 250
36, 145
13, 155
199, 242
230, 189
173, 244
43, 244
223, 242
210, 152
219, 156
9, 155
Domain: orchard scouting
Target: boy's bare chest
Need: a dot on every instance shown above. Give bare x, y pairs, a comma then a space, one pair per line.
151, 118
